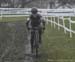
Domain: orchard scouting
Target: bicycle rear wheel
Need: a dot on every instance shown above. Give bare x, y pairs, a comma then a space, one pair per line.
36, 52
36, 43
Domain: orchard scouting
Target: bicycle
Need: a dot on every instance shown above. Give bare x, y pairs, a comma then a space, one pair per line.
36, 42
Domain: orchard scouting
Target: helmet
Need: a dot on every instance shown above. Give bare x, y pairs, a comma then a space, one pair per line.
34, 10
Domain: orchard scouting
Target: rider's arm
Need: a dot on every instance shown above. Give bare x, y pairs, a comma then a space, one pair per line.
27, 23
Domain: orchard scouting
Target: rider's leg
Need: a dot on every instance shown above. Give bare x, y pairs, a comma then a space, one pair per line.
40, 34
32, 41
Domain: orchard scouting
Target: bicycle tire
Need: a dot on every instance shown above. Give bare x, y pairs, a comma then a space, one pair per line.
36, 52
36, 44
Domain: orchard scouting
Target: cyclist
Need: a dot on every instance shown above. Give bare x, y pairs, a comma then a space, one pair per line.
35, 20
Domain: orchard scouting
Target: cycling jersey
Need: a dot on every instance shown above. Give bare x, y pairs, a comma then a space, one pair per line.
35, 20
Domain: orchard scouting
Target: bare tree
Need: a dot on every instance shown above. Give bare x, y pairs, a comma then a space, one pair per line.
52, 4
64, 3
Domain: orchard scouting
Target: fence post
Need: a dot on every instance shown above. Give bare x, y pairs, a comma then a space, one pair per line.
54, 20
51, 21
47, 19
70, 27
58, 24
1, 15
64, 24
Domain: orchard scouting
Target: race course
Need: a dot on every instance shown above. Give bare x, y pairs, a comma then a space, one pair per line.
15, 47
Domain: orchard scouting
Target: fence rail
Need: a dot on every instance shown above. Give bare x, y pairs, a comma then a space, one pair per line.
44, 12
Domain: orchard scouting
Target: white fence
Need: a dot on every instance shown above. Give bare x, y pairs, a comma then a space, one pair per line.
44, 12
62, 25
59, 13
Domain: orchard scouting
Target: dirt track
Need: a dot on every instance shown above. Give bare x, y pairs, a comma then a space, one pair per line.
14, 46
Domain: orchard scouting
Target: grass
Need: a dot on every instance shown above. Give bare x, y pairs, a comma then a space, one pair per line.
57, 46
12, 19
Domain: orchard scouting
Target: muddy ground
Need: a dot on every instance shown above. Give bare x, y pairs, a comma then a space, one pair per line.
14, 44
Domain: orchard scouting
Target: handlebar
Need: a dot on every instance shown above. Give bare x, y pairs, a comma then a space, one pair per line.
35, 28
